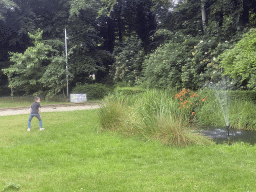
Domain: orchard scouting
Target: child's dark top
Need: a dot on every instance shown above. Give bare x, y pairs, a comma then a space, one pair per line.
35, 108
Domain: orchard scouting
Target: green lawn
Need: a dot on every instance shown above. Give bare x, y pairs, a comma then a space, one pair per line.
70, 155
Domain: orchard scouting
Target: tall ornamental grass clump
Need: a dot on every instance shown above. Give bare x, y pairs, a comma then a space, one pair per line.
153, 114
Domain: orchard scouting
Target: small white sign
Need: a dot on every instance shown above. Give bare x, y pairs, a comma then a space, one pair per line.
78, 98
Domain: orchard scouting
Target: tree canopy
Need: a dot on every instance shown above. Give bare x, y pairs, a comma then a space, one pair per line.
40, 66
155, 43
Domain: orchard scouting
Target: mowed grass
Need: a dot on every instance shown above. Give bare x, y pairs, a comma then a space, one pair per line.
71, 155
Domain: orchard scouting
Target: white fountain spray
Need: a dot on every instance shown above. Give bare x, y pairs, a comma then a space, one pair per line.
220, 90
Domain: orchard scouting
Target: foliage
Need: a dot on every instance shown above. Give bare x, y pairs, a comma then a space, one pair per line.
78, 5
185, 61
93, 91
54, 77
204, 65
153, 114
131, 18
185, 18
128, 90
96, 28
128, 62
149, 113
86, 54
103, 7
39, 65
161, 37
226, 18
246, 95
239, 62
163, 68
6, 5
189, 102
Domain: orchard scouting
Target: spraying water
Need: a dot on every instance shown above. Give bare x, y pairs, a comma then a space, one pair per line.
223, 101
221, 93
229, 135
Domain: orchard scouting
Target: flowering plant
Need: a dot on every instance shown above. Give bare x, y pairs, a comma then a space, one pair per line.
188, 100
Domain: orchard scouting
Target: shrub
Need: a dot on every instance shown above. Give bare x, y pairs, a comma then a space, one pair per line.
153, 114
163, 68
93, 91
240, 61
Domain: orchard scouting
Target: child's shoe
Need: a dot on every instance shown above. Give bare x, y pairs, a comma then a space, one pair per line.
28, 129
41, 129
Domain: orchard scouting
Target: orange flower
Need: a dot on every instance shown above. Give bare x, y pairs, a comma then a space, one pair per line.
204, 99
193, 113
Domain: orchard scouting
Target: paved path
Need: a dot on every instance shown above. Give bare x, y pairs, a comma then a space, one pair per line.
50, 108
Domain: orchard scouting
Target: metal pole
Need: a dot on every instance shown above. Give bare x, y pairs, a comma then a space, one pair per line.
66, 51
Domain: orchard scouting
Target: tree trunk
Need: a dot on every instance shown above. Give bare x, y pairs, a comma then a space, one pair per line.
203, 3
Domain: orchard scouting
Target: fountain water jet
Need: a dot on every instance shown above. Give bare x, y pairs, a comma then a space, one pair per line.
220, 90
226, 134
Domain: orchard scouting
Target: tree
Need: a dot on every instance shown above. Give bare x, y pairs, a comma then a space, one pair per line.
6, 5
86, 54
186, 18
129, 57
39, 68
240, 61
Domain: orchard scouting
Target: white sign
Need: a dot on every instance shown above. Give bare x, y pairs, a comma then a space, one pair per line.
78, 98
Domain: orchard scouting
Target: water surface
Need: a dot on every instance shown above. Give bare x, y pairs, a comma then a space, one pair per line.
220, 135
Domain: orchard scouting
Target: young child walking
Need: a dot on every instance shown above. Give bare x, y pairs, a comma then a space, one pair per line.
35, 111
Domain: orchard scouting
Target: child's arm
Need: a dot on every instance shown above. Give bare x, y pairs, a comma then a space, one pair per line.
39, 111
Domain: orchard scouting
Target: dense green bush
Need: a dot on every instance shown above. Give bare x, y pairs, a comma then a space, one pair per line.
163, 68
240, 61
93, 91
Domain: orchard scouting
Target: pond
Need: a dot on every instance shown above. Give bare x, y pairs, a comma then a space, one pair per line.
223, 135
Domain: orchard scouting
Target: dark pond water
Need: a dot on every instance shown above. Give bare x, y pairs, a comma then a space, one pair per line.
222, 135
